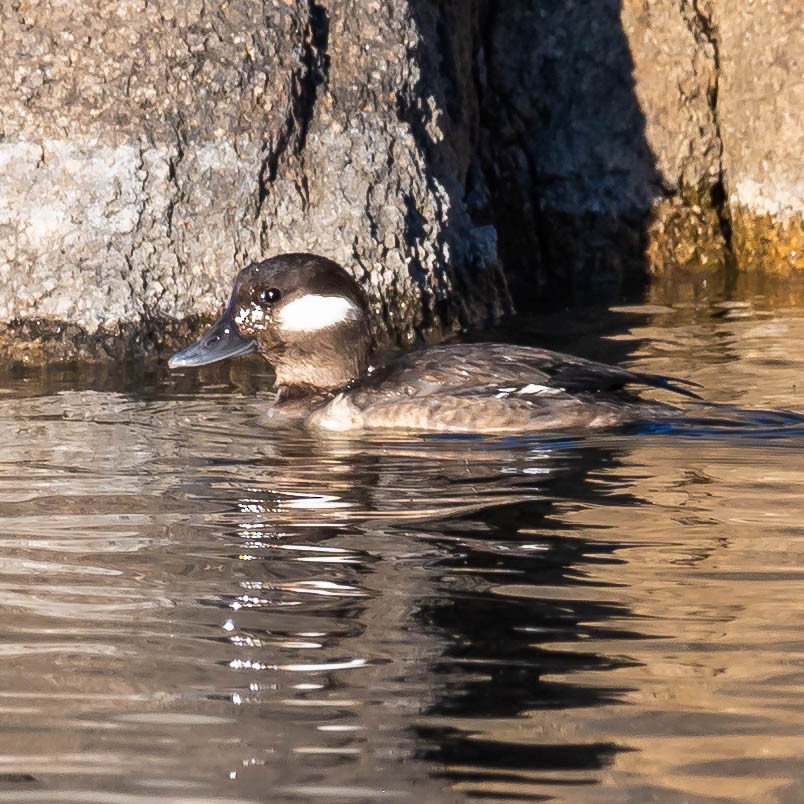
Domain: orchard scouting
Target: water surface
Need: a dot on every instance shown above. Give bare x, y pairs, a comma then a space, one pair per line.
195, 608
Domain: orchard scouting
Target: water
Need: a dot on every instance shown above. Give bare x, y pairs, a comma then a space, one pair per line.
195, 608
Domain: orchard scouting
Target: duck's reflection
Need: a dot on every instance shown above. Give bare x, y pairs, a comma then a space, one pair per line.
383, 597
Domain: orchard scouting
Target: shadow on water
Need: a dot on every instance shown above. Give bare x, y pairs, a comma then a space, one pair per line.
436, 574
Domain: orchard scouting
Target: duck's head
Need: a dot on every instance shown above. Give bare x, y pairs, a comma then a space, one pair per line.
303, 313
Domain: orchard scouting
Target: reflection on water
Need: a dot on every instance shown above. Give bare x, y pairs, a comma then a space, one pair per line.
197, 608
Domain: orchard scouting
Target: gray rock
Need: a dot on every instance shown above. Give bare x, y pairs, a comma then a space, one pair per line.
149, 150
761, 115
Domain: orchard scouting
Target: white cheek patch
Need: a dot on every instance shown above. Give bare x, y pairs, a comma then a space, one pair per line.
313, 312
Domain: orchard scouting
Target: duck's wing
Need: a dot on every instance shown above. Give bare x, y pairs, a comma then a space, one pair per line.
493, 368
577, 375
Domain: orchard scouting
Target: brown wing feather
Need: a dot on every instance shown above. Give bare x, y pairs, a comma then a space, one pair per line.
489, 367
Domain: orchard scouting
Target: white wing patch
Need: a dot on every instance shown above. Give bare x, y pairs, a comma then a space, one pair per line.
314, 312
531, 389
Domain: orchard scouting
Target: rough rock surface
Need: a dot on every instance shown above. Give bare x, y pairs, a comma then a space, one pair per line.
652, 135
577, 164
761, 114
150, 149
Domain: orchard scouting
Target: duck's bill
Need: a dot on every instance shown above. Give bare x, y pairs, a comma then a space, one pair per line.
220, 343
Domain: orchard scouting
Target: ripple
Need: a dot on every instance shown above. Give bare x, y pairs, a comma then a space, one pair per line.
197, 608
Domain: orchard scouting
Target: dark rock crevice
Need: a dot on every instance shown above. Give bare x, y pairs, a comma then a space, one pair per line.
443, 110
309, 75
705, 32
509, 192
563, 151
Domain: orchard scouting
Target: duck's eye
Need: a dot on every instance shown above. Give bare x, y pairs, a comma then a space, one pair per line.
270, 296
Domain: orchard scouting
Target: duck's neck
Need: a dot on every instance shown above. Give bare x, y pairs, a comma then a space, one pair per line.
333, 360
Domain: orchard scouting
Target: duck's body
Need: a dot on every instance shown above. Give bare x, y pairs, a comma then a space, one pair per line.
309, 319
482, 388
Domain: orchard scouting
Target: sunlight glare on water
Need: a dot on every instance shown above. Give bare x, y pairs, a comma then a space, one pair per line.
196, 608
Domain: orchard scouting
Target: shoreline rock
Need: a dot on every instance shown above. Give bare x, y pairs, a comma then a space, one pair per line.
461, 159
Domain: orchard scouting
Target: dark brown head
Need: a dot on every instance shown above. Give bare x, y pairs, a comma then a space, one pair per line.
303, 313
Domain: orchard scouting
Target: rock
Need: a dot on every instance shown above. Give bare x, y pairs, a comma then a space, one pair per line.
761, 113
150, 150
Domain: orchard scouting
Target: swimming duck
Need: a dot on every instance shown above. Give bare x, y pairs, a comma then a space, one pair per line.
309, 319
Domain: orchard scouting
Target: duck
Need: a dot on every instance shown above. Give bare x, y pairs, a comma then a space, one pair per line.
309, 319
